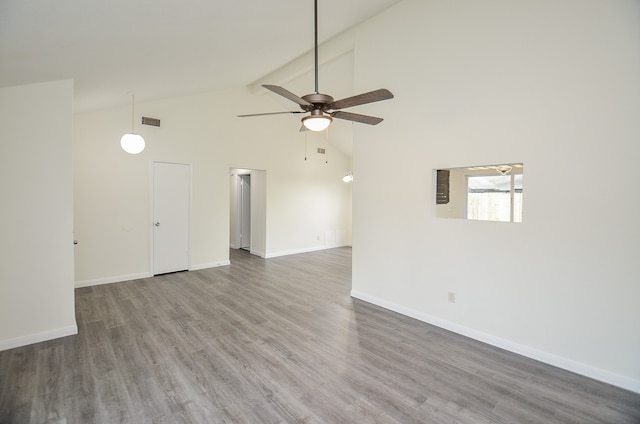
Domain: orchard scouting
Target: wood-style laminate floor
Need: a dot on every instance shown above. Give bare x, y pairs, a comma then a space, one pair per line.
280, 341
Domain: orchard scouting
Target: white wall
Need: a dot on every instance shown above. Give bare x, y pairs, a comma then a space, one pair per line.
112, 188
259, 212
36, 276
553, 84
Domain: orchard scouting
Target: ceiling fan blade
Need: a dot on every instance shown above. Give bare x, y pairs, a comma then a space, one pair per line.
361, 99
287, 94
356, 117
269, 113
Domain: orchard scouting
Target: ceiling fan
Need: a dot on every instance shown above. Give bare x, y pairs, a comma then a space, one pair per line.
321, 107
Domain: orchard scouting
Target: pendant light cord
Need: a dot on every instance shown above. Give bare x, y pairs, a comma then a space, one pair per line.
132, 113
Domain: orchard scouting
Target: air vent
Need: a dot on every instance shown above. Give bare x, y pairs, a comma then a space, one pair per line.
321, 150
150, 121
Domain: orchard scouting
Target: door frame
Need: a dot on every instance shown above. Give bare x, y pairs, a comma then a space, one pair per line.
235, 240
151, 211
258, 209
242, 213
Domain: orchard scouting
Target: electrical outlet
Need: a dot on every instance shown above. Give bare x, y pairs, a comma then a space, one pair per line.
318, 238
452, 297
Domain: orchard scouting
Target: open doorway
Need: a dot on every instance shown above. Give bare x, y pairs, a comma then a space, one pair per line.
244, 211
247, 229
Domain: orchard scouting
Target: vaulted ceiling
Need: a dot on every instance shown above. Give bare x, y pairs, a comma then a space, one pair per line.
161, 48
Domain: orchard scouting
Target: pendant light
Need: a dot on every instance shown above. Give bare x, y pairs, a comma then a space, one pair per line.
131, 142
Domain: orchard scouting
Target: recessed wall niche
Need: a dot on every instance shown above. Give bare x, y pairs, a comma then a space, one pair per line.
480, 193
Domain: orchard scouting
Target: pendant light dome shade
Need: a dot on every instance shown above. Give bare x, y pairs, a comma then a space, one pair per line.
132, 143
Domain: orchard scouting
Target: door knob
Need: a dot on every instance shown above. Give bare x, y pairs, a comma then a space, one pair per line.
157, 224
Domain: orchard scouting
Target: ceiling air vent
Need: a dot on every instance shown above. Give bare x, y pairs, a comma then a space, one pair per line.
150, 121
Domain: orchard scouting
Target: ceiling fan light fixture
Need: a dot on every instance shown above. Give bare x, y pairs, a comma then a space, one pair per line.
504, 169
316, 122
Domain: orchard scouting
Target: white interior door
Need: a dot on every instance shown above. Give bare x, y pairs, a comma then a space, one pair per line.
171, 205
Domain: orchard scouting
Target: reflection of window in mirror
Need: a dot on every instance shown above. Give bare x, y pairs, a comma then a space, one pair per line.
486, 193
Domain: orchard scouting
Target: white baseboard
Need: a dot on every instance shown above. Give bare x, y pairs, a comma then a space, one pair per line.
297, 251
114, 279
539, 355
129, 277
257, 253
38, 337
210, 265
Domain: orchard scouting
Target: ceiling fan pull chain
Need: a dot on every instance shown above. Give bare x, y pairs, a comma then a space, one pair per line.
326, 139
305, 146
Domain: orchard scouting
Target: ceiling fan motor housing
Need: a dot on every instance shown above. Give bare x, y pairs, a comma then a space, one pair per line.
318, 101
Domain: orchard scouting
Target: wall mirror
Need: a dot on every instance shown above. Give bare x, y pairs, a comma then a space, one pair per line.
483, 193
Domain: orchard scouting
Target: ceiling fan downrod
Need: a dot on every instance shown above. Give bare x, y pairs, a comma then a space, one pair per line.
315, 25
